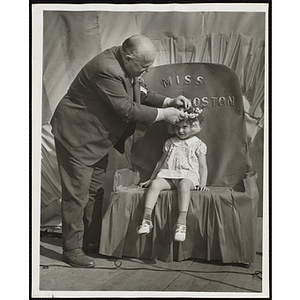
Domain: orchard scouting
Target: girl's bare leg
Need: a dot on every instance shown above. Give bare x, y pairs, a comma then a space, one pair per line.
152, 194
184, 195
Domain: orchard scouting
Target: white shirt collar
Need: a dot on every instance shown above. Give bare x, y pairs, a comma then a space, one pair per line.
177, 141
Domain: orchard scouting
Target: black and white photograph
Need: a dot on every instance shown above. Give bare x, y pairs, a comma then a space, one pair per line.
150, 141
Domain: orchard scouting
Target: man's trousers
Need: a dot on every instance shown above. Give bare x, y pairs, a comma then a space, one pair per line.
82, 198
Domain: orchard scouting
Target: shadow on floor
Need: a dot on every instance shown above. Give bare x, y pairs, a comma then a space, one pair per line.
50, 253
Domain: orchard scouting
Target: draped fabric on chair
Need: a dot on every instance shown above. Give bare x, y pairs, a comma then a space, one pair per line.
70, 39
221, 225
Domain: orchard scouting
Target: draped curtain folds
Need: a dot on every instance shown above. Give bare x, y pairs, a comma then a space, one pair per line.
50, 183
244, 55
72, 38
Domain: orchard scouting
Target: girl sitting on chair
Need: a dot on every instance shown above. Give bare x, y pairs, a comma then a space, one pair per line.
182, 166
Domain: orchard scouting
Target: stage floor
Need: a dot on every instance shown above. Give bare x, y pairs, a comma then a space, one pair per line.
131, 274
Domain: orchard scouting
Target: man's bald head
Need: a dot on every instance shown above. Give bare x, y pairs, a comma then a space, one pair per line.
138, 54
140, 47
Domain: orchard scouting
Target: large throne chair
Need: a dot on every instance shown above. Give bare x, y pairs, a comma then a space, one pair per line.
221, 222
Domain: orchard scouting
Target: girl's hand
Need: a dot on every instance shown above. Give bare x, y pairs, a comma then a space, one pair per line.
201, 188
145, 184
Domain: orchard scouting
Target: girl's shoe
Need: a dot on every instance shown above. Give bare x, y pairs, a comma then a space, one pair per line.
180, 233
145, 227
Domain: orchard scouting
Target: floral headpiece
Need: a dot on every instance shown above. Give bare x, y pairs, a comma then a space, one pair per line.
194, 112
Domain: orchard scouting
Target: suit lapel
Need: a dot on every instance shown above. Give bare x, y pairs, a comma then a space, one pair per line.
136, 91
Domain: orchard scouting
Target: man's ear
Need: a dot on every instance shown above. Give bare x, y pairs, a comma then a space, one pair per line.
128, 57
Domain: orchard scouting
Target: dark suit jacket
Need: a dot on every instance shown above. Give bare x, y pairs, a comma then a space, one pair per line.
101, 108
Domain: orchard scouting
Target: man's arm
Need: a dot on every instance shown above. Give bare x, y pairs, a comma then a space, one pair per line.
153, 98
112, 91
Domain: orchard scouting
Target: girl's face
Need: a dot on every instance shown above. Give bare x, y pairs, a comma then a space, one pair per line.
183, 129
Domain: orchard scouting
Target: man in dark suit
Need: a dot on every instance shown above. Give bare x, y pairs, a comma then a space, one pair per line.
99, 112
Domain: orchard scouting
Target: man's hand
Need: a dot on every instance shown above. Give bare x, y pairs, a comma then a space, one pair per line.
171, 115
179, 101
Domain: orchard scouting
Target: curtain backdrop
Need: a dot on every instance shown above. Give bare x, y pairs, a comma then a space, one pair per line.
70, 39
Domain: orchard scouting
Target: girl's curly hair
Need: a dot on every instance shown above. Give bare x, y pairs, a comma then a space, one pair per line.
194, 122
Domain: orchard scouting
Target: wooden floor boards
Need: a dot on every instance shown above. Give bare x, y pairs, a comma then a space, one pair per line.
204, 277
131, 274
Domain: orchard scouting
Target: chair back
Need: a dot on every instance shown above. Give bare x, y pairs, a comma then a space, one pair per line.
216, 89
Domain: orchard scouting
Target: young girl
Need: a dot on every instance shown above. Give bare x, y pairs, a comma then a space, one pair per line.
182, 166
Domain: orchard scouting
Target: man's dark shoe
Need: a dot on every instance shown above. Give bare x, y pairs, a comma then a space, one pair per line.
78, 259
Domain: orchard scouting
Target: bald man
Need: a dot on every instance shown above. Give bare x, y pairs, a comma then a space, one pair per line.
99, 112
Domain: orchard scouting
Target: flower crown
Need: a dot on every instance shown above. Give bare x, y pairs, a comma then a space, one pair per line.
193, 112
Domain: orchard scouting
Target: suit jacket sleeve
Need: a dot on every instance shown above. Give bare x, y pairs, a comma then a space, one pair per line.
117, 92
149, 97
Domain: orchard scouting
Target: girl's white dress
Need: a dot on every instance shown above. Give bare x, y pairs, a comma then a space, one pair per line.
182, 159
